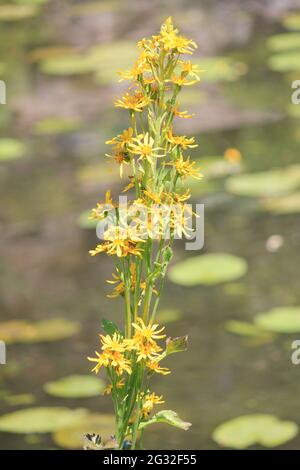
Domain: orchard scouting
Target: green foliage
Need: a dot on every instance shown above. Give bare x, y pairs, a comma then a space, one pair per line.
169, 417
75, 386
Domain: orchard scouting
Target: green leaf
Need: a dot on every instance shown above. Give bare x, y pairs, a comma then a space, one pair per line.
109, 327
174, 345
285, 62
18, 331
40, 420
248, 430
11, 149
208, 269
168, 315
268, 183
75, 386
285, 41
292, 21
289, 204
280, 320
169, 417
17, 12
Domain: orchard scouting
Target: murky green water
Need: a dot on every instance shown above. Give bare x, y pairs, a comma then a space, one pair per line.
45, 268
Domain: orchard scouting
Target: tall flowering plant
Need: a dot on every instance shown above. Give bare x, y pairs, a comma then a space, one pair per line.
140, 238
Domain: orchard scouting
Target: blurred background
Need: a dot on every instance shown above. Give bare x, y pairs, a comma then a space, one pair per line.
59, 60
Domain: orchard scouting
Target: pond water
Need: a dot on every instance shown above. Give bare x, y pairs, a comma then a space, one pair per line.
46, 271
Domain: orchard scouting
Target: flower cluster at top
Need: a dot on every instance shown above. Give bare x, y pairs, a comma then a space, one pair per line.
150, 151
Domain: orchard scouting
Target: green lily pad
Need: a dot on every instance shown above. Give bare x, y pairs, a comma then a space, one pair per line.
11, 149
55, 125
289, 204
292, 21
18, 331
264, 184
23, 399
75, 386
168, 315
285, 62
71, 64
40, 420
112, 58
169, 417
246, 329
216, 69
208, 269
280, 320
283, 42
10, 12
72, 437
244, 431
218, 167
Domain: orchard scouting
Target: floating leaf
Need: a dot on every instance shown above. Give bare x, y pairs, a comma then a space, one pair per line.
267, 183
215, 69
17, 12
264, 429
292, 21
17, 331
40, 420
71, 64
75, 386
11, 149
285, 62
246, 329
73, 437
208, 269
55, 125
218, 167
168, 315
85, 222
23, 399
285, 41
174, 345
168, 417
280, 320
289, 204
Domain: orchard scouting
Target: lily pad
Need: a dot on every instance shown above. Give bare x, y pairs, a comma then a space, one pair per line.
10, 12
40, 420
289, 204
111, 58
168, 315
72, 437
18, 331
280, 320
71, 64
285, 62
218, 167
283, 42
55, 125
246, 329
75, 386
215, 69
264, 429
208, 269
292, 21
23, 399
267, 183
11, 149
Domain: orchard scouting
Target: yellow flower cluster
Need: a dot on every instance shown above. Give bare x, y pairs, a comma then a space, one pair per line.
120, 355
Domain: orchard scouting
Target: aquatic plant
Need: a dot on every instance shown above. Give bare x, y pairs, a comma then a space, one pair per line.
139, 237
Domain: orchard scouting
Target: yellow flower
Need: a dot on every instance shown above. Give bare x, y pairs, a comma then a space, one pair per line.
181, 140
117, 246
135, 102
171, 42
233, 155
112, 343
147, 332
186, 168
181, 80
101, 360
113, 348
144, 147
181, 114
155, 367
140, 67
122, 139
148, 404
